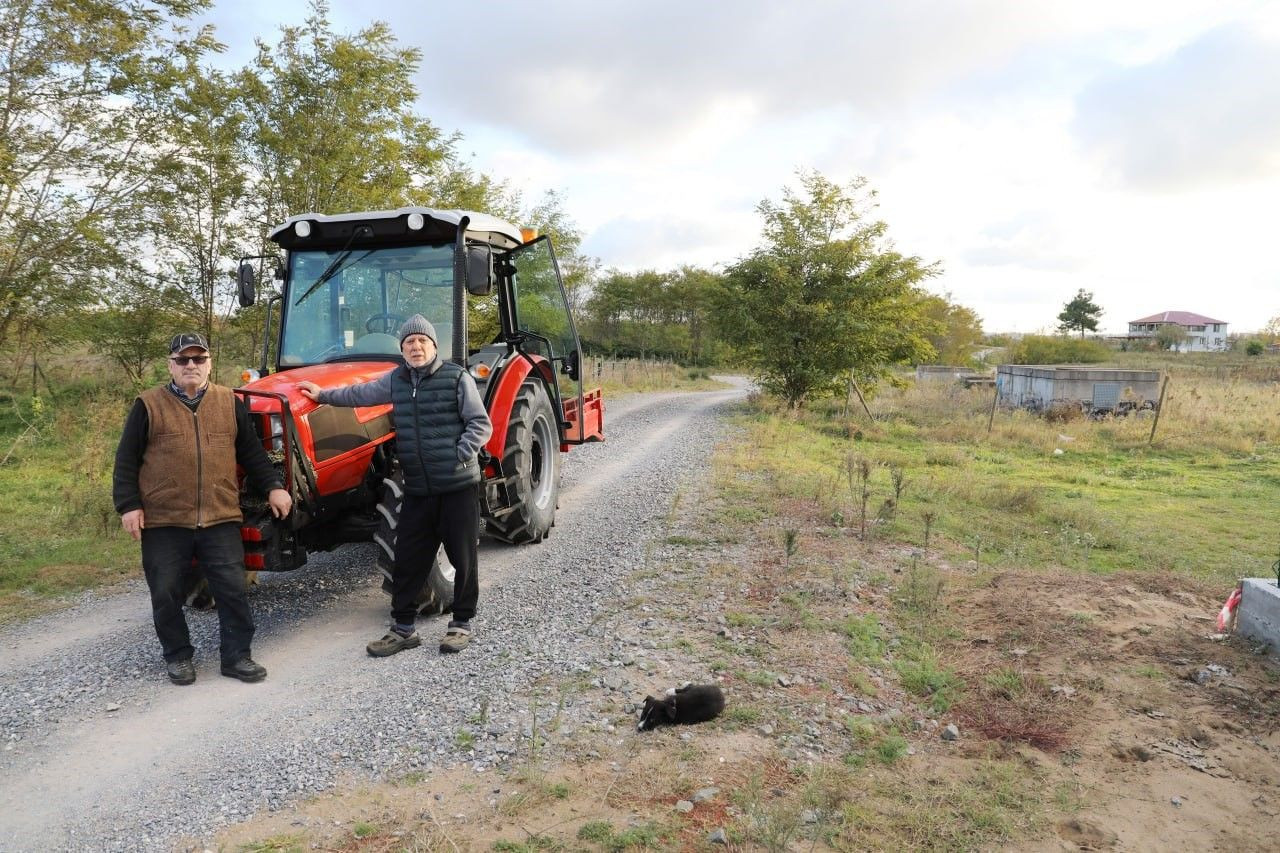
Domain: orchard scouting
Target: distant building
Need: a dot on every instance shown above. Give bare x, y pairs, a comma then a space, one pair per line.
1204, 334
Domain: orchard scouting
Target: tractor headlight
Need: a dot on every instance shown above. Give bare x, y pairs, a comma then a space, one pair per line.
277, 432
302, 228
415, 221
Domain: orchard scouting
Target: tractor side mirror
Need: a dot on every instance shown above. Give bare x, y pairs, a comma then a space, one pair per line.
570, 366
246, 290
479, 270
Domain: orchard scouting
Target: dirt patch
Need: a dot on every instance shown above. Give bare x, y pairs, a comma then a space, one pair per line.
1171, 728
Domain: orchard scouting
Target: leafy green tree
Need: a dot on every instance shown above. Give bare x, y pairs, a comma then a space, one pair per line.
196, 201
628, 314
1080, 313
955, 332
333, 127
1171, 336
578, 271
84, 87
662, 314
697, 295
135, 331
824, 298
1271, 331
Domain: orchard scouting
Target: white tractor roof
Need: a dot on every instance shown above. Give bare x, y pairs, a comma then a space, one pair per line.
481, 222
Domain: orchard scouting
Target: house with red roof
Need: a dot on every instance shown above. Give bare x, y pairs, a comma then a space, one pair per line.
1203, 334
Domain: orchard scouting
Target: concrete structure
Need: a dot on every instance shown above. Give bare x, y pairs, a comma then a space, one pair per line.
1093, 389
1203, 334
1258, 615
943, 373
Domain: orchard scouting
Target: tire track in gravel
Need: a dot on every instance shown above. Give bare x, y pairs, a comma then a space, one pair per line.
100, 753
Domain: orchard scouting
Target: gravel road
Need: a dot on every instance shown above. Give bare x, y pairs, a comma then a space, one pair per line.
99, 752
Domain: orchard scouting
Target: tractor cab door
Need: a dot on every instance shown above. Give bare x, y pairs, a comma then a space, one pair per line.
541, 311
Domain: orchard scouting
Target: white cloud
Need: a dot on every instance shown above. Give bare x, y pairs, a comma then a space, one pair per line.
1015, 143
1210, 111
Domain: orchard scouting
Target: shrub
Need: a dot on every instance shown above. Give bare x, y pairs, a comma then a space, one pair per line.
1254, 347
1045, 349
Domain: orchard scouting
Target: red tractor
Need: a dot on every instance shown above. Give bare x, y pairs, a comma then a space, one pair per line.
493, 293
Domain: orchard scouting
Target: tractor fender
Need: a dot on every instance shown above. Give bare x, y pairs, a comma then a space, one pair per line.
509, 380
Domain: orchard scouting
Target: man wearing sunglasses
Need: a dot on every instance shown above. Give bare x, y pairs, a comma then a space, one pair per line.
175, 489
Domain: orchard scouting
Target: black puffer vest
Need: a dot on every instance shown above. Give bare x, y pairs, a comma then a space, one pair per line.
428, 427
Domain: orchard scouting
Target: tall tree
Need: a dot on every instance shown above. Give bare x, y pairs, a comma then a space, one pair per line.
696, 296
954, 331
334, 128
81, 93
578, 271
197, 198
1271, 331
135, 330
1080, 313
824, 298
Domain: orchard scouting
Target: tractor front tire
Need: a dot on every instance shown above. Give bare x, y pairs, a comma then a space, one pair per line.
437, 593
530, 466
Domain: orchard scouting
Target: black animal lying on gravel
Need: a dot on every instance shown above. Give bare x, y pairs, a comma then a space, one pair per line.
691, 703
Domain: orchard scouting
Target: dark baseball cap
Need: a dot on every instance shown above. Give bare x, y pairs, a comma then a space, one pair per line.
186, 341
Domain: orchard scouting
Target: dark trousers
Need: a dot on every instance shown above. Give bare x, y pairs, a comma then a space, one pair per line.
166, 559
426, 523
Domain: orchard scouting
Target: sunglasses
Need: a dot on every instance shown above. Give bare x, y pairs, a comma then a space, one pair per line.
184, 360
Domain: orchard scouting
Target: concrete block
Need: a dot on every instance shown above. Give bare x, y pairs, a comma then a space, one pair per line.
1258, 616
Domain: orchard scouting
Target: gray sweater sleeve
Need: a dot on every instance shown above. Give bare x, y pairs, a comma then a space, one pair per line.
476, 427
375, 392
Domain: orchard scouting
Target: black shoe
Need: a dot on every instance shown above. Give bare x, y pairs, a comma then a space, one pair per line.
245, 670
181, 671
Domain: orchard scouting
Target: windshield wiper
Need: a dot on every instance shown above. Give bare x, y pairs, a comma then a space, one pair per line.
335, 266
339, 261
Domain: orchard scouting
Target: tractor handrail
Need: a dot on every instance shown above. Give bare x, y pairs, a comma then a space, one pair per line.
292, 444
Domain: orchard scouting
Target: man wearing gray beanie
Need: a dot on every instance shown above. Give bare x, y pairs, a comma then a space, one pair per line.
441, 425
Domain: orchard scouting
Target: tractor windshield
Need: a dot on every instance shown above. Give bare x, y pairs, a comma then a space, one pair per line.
350, 303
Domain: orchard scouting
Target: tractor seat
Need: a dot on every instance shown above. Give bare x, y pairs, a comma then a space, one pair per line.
378, 343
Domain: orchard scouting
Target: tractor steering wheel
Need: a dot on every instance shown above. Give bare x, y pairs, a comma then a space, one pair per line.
385, 323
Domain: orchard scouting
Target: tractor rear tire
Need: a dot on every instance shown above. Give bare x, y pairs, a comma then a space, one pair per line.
437, 593
531, 467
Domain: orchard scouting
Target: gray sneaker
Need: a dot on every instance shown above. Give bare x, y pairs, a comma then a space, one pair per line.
392, 643
455, 639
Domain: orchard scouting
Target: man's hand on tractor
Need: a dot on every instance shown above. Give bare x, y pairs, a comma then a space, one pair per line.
308, 389
280, 500
132, 522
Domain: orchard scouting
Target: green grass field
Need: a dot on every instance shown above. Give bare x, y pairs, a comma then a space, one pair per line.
1032, 493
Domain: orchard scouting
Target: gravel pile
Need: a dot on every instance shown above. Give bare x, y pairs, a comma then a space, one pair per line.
542, 618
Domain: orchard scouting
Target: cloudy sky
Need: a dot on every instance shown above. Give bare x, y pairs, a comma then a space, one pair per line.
1033, 148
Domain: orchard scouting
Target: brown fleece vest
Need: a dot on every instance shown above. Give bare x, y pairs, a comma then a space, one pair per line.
188, 474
